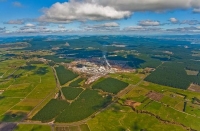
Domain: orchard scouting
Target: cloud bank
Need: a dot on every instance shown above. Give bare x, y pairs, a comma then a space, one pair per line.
83, 10
2, 29
110, 27
149, 23
196, 10
71, 11
15, 22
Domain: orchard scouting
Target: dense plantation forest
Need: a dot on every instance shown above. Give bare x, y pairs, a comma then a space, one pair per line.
51, 110
172, 74
56, 59
71, 93
192, 65
76, 83
65, 75
88, 102
110, 85
131, 99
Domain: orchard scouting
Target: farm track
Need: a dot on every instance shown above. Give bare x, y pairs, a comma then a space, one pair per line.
179, 110
30, 113
12, 73
84, 121
58, 83
3, 74
120, 94
19, 101
68, 83
77, 96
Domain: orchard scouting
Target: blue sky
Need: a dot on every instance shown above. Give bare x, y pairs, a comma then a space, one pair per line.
25, 17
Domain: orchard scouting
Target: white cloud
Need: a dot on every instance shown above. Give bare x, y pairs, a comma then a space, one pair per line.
2, 29
174, 20
190, 29
149, 23
147, 5
17, 4
39, 29
195, 3
29, 25
134, 28
70, 11
196, 10
16, 22
61, 26
110, 26
142, 29
190, 22
42, 24
82, 10
35, 29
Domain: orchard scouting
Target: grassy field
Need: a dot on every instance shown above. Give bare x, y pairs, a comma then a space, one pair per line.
23, 93
28, 89
71, 93
57, 59
20, 91
47, 84
167, 103
6, 103
65, 75
131, 78
169, 113
127, 120
174, 100
110, 85
19, 86
12, 116
73, 128
8, 67
27, 104
5, 83
192, 109
161, 89
23, 127
190, 72
137, 94
83, 127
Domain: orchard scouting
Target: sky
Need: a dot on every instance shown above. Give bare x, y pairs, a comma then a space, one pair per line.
135, 17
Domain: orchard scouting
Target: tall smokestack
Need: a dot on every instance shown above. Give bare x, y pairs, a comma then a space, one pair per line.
104, 55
